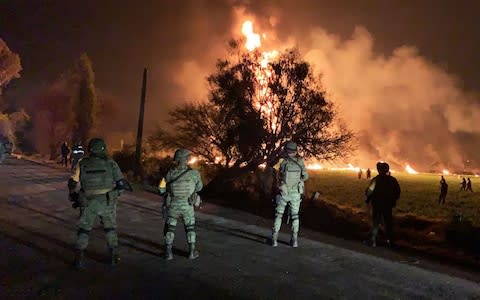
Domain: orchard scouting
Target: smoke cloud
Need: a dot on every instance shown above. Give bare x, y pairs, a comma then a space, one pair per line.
402, 107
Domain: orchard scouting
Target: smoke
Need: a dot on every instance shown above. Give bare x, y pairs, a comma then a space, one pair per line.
402, 107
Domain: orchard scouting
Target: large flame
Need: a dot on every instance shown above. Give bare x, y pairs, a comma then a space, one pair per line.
314, 166
410, 170
263, 72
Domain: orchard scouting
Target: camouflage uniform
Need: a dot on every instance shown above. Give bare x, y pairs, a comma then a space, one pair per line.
98, 175
292, 173
180, 185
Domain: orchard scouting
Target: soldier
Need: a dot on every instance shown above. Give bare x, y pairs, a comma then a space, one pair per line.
293, 174
382, 193
179, 189
469, 185
443, 190
369, 173
360, 173
101, 183
77, 154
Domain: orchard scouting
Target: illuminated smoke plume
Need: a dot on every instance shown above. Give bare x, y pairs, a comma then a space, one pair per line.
404, 109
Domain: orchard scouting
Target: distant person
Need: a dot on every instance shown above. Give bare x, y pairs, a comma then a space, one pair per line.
360, 173
443, 190
65, 151
369, 173
77, 154
469, 185
382, 194
463, 184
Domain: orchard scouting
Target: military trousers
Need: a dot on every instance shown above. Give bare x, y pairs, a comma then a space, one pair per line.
97, 206
293, 200
180, 209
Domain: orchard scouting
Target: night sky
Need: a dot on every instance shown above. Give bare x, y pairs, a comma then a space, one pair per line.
122, 37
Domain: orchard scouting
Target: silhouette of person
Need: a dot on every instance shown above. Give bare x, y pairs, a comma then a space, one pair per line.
469, 185
463, 184
443, 190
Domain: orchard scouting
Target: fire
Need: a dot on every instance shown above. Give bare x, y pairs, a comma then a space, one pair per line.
446, 172
263, 73
193, 160
253, 39
314, 166
410, 170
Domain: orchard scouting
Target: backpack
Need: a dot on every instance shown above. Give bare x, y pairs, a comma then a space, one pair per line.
96, 176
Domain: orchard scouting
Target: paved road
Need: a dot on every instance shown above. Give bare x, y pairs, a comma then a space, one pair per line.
37, 229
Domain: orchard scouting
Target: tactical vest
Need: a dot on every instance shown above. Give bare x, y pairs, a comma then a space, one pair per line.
183, 187
96, 176
291, 175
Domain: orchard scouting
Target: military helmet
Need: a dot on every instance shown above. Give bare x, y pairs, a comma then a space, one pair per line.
181, 155
382, 167
291, 147
97, 146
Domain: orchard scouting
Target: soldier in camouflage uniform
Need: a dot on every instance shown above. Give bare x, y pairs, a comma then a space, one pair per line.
100, 181
179, 190
291, 187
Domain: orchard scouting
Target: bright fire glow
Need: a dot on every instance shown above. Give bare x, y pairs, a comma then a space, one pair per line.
446, 172
314, 166
253, 39
410, 170
263, 72
193, 160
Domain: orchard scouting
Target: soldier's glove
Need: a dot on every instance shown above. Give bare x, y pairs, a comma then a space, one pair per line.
195, 200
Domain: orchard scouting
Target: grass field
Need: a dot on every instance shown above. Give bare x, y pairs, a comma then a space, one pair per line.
419, 193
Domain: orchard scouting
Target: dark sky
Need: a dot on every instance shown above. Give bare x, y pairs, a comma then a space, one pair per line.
123, 36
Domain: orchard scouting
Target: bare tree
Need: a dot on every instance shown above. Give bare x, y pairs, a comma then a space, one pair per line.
254, 108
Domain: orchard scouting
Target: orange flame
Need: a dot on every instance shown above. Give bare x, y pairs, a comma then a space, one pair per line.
410, 170
263, 73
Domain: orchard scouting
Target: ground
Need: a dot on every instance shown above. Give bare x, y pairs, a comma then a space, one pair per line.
419, 193
37, 230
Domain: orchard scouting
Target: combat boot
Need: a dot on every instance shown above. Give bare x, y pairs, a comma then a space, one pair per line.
79, 259
294, 240
274, 239
193, 253
168, 252
114, 257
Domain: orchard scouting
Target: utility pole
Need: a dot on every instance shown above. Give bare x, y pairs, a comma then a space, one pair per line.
138, 149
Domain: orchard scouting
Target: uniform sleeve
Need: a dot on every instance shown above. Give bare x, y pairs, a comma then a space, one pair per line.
117, 173
76, 173
198, 181
304, 170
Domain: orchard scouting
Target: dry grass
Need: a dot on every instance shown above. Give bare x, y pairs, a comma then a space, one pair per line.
419, 193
